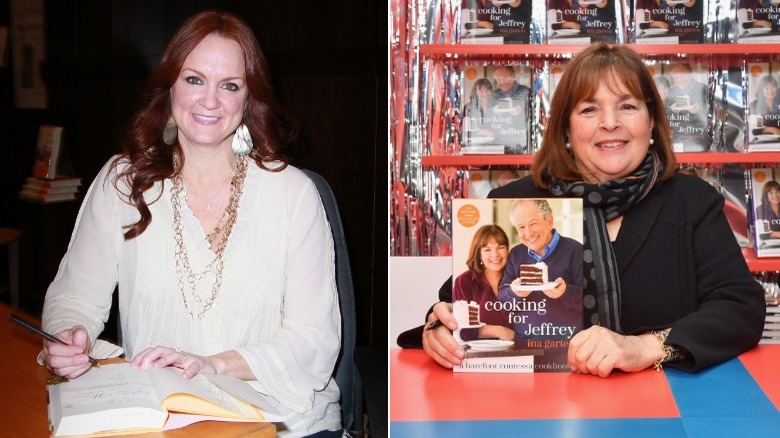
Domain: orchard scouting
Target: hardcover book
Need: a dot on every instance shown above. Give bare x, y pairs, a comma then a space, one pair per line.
42, 190
582, 21
497, 108
763, 106
517, 303
120, 398
765, 200
496, 21
758, 21
669, 21
62, 181
46, 198
47, 152
683, 88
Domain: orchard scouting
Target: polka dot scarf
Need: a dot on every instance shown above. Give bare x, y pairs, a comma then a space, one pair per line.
603, 202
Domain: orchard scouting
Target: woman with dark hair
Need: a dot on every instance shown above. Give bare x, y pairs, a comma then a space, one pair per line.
767, 105
666, 282
480, 283
221, 251
769, 209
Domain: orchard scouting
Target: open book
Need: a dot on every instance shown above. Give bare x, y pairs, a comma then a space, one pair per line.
120, 398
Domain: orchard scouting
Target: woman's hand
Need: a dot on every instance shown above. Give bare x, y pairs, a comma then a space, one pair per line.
599, 351
160, 357
72, 360
439, 342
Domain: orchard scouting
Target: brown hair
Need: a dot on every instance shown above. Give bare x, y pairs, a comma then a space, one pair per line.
771, 184
150, 159
481, 238
599, 64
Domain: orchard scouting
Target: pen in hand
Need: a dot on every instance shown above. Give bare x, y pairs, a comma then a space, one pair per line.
19, 321
434, 324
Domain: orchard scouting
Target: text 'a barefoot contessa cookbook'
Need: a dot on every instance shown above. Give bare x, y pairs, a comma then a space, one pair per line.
517, 282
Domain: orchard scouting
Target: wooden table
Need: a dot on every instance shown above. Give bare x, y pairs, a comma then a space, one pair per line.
738, 398
23, 396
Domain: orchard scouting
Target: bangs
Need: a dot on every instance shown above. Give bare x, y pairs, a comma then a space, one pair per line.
619, 79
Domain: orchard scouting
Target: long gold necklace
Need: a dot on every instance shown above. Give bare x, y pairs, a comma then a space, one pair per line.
218, 245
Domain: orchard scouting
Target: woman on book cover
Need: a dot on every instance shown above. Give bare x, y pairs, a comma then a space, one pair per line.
767, 105
478, 109
486, 261
769, 210
221, 251
667, 284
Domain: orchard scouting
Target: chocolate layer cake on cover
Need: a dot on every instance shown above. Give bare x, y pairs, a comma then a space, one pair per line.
532, 275
466, 314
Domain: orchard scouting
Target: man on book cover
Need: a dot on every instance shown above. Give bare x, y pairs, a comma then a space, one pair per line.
593, 19
561, 306
508, 19
758, 18
509, 105
687, 102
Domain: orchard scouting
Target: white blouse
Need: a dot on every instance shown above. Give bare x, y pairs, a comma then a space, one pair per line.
277, 305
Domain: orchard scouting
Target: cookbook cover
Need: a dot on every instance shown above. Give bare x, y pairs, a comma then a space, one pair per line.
582, 21
765, 199
669, 21
758, 21
496, 21
763, 106
517, 306
683, 88
497, 105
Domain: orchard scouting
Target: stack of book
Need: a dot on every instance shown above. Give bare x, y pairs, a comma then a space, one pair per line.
772, 326
47, 191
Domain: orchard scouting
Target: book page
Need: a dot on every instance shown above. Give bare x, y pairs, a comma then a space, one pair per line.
95, 399
198, 396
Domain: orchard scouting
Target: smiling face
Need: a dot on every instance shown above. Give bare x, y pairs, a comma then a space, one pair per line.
483, 92
493, 256
609, 133
505, 78
534, 231
208, 97
773, 196
770, 91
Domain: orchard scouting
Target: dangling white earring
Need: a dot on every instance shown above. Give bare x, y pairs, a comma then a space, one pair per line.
242, 141
170, 132
568, 146
652, 141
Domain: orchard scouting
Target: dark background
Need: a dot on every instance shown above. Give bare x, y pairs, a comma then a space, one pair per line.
328, 62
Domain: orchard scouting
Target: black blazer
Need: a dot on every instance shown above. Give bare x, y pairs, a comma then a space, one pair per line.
681, 267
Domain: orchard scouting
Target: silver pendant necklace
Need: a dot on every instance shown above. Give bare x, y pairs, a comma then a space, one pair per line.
208, 202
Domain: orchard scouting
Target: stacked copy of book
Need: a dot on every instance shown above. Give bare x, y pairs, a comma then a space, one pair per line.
47, 191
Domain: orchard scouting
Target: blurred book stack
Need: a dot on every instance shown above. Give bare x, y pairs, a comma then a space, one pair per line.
47, 191
771, 326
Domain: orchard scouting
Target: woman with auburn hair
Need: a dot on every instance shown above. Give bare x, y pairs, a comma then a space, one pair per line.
480, 283
666, 282
769, 209
221, 251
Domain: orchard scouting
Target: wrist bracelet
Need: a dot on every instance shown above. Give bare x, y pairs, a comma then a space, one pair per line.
671, 353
